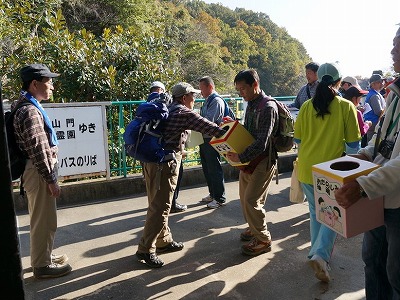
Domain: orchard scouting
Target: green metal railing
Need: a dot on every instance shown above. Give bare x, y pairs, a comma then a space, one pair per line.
120, 113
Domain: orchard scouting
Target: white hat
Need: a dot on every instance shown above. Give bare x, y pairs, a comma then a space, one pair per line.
350, 79
158, 84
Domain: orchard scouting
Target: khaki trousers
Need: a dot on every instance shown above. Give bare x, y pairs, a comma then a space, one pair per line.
253, 189
161, 180
43, 216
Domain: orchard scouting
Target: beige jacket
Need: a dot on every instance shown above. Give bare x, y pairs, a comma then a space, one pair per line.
385, 181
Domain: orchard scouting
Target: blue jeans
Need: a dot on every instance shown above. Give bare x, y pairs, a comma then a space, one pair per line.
322, 237
380, 253
212, 169
350, 150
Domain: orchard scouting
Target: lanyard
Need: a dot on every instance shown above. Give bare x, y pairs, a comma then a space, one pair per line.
392, 123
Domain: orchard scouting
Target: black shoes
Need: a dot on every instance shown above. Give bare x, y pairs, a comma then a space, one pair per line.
178, 208
52, 270
171, 247
151, 259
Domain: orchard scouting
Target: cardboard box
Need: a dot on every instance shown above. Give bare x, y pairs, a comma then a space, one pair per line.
363, 215
236, 139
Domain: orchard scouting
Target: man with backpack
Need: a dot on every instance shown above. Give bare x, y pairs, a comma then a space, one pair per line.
213, 110
36, 138
158, 93
261, 120
161, 177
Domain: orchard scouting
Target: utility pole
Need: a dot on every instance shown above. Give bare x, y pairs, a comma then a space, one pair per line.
11, 280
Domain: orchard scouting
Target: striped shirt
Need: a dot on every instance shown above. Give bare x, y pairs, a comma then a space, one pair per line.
182, 119
33, 140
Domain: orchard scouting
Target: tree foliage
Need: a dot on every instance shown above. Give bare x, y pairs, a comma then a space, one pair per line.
112, 49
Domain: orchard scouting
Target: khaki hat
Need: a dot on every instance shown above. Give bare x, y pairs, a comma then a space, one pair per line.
183, 88
350, 79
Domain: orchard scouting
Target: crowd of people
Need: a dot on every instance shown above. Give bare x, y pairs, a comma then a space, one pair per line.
331, 122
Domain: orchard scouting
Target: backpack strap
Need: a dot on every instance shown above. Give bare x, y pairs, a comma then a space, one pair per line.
18, 106
308, 91
260, 108
11, 114
212, 97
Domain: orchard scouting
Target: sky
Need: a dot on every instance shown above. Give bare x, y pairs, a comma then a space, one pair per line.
357, 34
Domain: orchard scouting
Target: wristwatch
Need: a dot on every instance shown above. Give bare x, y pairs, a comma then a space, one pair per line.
363, 194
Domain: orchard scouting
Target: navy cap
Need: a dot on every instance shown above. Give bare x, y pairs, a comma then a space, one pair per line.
36, 71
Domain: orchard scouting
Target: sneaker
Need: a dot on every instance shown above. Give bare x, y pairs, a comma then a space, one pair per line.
151, 259
256, 247
178, 208
59, 259
320, 268
51, 271
171, 247
207, 199
246, 235
215, 204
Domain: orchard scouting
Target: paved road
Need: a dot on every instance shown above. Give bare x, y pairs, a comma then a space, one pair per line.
101, 239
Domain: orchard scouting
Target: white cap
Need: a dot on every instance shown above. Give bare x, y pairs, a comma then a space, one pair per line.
158, 84
352, 80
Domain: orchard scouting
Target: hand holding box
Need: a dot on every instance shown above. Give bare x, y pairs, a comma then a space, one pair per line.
364, 215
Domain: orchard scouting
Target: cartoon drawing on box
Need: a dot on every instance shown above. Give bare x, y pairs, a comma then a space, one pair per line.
328, 216
322, 208
326, 187
318, 184
337, 218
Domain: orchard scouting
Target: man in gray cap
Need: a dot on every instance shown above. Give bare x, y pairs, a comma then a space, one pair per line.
37, 140
375, 104
161, 179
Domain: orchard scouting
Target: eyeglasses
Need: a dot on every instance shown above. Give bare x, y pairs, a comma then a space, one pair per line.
50, 82
344, 82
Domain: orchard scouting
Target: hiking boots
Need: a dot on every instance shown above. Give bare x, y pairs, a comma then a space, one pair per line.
52, 270
256, 247
150, 259
171, 247
246, 235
